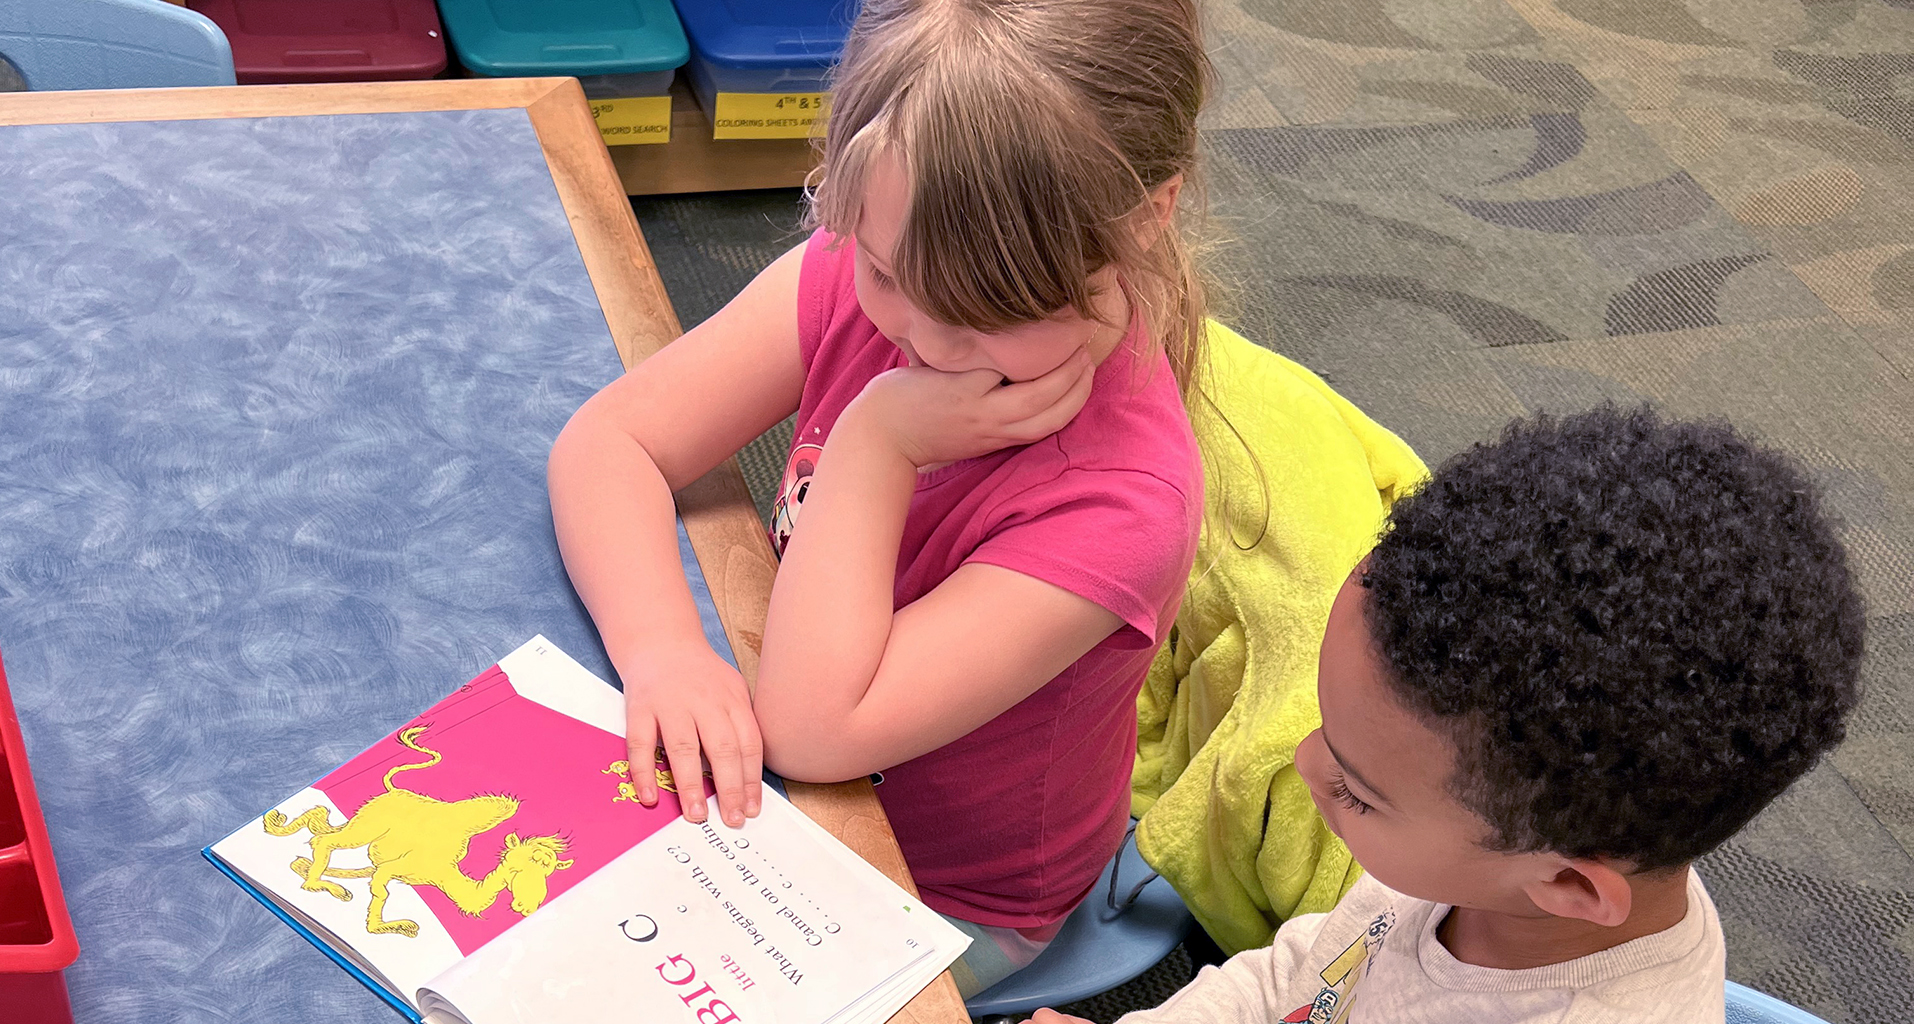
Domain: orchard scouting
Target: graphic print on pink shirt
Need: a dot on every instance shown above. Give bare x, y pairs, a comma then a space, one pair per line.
1011, 825
791, 491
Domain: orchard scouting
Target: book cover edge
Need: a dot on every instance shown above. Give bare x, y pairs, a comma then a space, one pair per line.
351, 968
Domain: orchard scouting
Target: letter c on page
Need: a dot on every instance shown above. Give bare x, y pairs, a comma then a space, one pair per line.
647, 928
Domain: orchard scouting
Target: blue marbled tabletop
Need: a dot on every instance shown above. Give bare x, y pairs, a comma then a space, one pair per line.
275, 400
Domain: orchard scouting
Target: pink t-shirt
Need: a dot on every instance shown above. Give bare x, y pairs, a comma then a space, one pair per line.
1011, 824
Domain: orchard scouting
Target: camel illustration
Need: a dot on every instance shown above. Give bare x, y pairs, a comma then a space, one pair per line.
628, 791
420, 840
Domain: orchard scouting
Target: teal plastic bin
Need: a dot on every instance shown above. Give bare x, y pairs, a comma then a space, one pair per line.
763, 46
613, 47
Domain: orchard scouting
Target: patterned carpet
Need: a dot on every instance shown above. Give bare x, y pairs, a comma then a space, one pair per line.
1463, 210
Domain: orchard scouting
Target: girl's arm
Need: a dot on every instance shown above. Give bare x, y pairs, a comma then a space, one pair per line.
612, 473
846, 686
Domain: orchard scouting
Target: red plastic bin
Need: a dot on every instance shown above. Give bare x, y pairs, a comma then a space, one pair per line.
36, 936
278, 41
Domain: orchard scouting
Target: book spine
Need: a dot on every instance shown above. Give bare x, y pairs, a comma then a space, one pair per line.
365, 979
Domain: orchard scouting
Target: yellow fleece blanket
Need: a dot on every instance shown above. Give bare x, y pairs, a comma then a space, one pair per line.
1297, 481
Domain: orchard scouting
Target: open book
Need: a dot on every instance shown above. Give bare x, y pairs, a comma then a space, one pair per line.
488, 863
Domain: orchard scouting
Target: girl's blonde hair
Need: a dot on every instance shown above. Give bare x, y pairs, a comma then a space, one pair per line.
1033, 133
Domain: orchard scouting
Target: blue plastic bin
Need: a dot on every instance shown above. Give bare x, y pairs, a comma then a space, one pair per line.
763, 46
613, 47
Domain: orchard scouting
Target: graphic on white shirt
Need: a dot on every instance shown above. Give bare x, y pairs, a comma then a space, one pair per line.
1338, 995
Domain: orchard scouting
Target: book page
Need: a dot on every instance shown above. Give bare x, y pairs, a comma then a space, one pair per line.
479, 811
395, 959
703, 924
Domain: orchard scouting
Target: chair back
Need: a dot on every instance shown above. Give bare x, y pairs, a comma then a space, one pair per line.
112, 44
1746, 1006
1128, 923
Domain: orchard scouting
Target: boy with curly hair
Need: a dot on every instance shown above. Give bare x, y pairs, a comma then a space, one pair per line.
1577, 660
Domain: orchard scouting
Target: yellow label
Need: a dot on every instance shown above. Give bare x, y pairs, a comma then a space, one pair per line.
770, 115
633, 120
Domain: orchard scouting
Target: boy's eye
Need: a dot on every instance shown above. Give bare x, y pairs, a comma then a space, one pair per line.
1340, 791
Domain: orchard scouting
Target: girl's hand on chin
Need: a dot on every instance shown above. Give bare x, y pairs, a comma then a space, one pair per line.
932, 417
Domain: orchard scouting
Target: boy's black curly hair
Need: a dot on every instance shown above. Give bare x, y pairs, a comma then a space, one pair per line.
1638, 632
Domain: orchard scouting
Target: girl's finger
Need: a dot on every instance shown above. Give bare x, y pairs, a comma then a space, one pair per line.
641, 729
681, 752
751, 745
977, 383
721, 748
1055, 416
1026, 399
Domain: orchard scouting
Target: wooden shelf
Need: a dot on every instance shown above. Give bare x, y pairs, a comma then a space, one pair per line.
695, 162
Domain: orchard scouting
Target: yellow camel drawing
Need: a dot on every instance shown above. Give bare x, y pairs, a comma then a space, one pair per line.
419, 840
628, 791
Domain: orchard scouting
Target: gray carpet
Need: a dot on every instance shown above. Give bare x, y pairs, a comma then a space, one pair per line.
1463, 210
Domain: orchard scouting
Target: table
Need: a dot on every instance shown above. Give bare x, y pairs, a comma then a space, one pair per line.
279, 367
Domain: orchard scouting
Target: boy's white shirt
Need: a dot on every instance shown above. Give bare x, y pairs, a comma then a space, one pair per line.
1375, 958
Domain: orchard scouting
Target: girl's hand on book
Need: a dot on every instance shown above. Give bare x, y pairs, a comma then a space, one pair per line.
688, 700
934, 417
1049, 1016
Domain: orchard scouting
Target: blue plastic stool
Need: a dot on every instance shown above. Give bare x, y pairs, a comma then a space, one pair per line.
1129, 922
112, 44
1746, 1006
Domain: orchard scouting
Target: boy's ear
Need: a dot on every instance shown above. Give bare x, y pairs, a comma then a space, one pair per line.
1590, 890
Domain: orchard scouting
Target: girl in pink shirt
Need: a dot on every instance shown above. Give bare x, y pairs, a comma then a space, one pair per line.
993, 494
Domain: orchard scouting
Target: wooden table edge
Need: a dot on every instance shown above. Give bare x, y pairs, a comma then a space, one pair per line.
92, 106
720, 519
